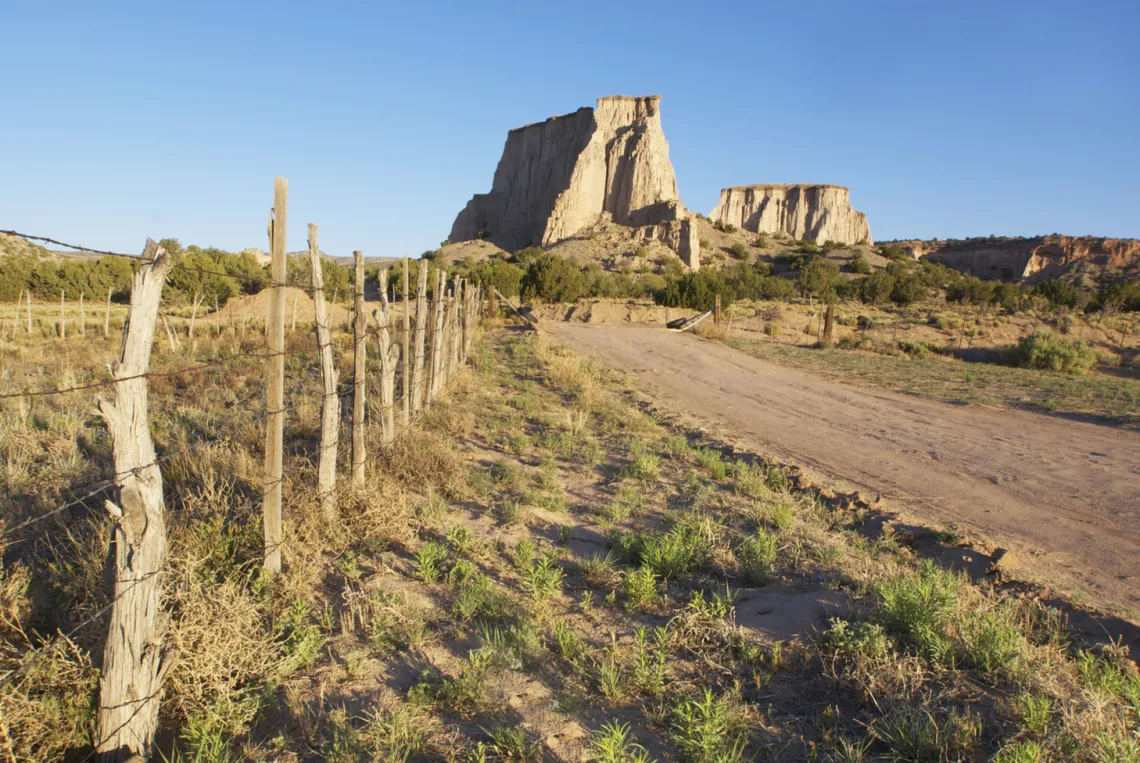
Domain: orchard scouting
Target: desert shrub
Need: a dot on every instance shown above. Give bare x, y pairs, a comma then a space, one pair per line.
552, 279
756, 556
859, 264
917, 607
771, 328
1124, 295
809, 247
708, 728
738, 251
1051, 352
876, 288
817, 276
908, 289
697, 291
503, 275
895, 253
724, 227
761, 241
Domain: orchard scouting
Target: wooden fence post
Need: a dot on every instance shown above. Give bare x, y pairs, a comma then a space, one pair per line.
293, 327
716, 310
421, 335
492, 313
107, 317
62, 319
275, 383
359, 380
389, 355
130, 687
406, 381
330, 404
19, 304
437, 336
82, 318
194, 314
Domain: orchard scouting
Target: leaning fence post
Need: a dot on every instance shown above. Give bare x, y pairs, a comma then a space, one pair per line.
275, 384
405, 382
330, 405
421, 334
360, 353
130, 687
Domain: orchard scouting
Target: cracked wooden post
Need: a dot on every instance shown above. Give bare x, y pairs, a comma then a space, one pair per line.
130, 687
421, 335
275, 382
360, 354
406, 381
330, 404
437, 335
389, 356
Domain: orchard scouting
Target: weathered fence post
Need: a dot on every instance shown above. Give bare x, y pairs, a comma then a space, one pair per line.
437, 336
198, 297
829, 325
406, 381
16, 322
169, 335
293, 327
275, 383
62, 319
421, 334
389, 355
492, 313
716, 310
359, 379
330, 405
217, 316
82, 318
130, 687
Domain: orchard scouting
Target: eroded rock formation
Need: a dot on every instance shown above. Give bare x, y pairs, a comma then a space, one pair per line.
805, 212
1032, 260
558, 177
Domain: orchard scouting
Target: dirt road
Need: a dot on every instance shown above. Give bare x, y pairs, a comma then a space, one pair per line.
1064, 495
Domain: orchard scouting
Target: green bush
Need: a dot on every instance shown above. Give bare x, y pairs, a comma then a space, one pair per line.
697, 291
859, 264
503, 275
738, 251
1051, 352
761, 241
552, 279
817, 276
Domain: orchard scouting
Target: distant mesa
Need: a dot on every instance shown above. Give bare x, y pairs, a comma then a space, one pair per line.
803, 211
559, 177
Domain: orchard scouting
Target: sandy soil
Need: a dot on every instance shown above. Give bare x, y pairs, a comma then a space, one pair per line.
1064, 496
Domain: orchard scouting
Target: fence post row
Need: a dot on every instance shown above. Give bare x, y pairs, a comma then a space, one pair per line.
360, 353
437, 334
421, 334
275, 384
130, 687
406, 381
389, 356
330, 403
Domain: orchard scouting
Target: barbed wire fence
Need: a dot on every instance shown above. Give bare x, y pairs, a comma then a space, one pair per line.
433, 343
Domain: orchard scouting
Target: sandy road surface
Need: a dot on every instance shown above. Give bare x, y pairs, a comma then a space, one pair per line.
1064, 495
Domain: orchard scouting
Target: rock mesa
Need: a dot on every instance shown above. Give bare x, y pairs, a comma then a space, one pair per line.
557, 177
805, 212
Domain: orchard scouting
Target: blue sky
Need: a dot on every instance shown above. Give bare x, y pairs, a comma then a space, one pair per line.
127, 120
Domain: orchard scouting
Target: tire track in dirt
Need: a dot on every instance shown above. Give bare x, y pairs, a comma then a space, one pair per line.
1065, 495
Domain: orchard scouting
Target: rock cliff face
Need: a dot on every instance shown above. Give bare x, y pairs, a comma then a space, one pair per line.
806, 212
559, 176
1032, 260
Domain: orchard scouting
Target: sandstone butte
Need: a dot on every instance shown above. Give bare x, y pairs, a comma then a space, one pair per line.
558, 177
1032, 260
804, 212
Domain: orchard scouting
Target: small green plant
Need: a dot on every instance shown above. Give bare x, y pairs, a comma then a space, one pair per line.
713, 461
761, 241
523, 553
708, 728
913, 734
567, 642
613, 743
991, 642
512, 743
1035, 712
461, 539
750, 479
644, 467
429, 561
756, 556
598, 569
1023, 751
543, 579
649, 659
855, 640
640, 587
918, 606
349, 566
395, 734
480, 598
771, 328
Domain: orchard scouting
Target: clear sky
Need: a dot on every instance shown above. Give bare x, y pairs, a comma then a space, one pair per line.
123, 121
